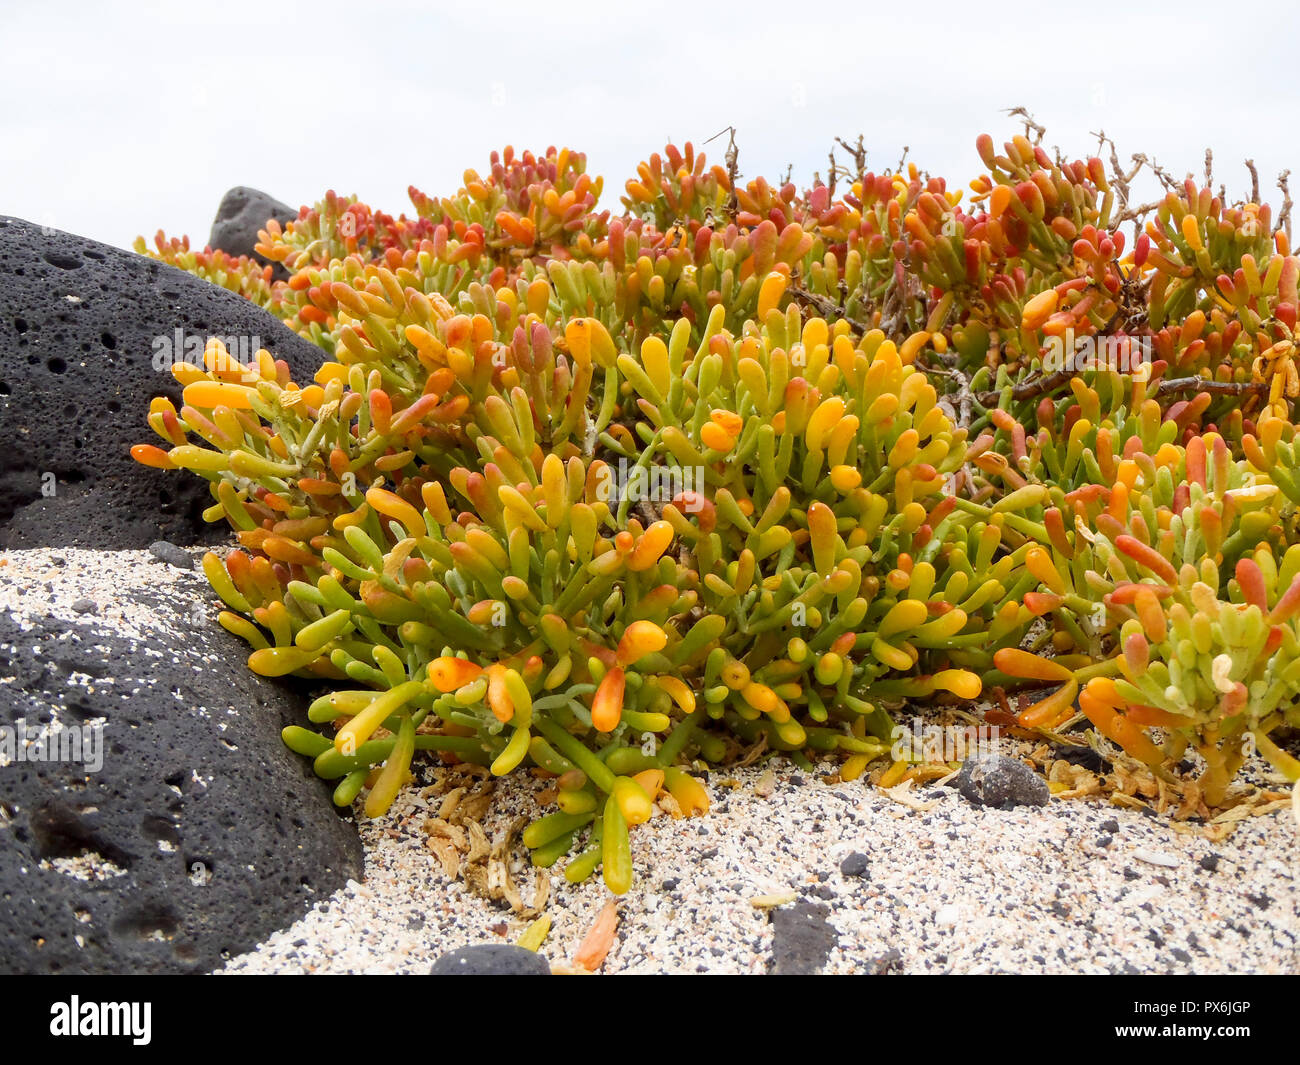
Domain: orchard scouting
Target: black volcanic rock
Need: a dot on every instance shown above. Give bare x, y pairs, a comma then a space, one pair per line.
84, 328
996, 780
242, 213
198, 835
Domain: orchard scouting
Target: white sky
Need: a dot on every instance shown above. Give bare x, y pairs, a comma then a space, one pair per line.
120, 118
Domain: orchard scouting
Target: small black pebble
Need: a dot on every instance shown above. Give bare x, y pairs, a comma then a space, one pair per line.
167, 552
1210, 863
796, 779
1130, 873
1181, 955
671, 883
1104, 841
86, 606
1110, 825
856, 864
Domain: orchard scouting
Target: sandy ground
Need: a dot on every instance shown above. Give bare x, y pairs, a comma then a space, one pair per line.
1080, 885
1077, 886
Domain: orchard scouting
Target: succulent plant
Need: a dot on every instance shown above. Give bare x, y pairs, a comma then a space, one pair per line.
611, 495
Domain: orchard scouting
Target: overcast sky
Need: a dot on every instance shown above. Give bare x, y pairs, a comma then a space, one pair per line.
121, 118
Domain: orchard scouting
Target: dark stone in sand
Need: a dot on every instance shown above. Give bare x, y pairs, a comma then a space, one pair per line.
167, 552
856, 864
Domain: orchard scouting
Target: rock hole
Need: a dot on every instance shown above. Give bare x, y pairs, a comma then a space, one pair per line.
62, 261
158, 924
56, 365
59, 833
160, 828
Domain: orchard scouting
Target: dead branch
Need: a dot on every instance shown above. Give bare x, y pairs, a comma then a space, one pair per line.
1214, 388
827, 307
1123, 181
732, 159
858, 152
1030, 388
1045, 383
1030, 124
1169, 183
961, 411
1284, 218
